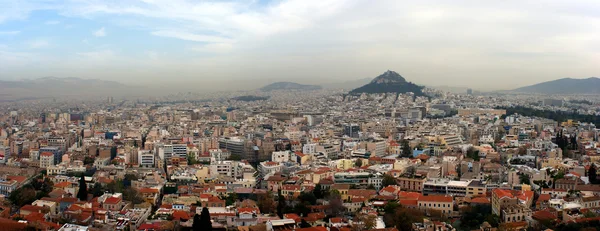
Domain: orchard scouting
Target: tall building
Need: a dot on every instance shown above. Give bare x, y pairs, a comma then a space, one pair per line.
4, 154
469, 91
46, 160
56, 151
234, 145
146, 158
59, 142
351, 130
168, 151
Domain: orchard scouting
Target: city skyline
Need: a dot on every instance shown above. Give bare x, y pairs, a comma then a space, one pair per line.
483, 45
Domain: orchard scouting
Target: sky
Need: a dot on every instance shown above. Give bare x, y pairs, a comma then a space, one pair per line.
488, 45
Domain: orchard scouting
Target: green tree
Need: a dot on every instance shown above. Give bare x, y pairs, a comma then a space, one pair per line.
592, 175
524, 178
336, 205
388, 180
196, 226
319, 192
97, 190
406, 150
131, 194
302, 209
308, 197
191, 159
265, 203
88, 160
82, 194
205, 223
280, 204
231, 199
403, 218
473, 153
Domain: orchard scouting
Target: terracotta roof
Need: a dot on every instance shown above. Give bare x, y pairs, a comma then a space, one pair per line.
180, 215
409, 202
340, 186
480, 200
501, 193
246, 210
336, 220
62, 184
435, 199
19, 179
544, 197
362, 192
11, 225
409, 195
148, 190
112, 200
544, 215
32, 208
312, 217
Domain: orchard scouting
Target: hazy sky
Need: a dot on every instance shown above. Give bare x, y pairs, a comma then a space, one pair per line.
481, 44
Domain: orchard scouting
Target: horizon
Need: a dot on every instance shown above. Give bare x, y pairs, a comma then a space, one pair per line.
239, 44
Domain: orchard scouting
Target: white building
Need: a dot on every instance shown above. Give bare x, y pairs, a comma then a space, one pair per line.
268, 167
281, 156
168, 151
146, 158
4, 154
309, 149
46, 160
219, 154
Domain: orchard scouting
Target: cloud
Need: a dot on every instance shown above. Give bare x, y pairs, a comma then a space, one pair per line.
13, 32
214, 48
38, 43
52, 22
100, 32
191, 36
462, 40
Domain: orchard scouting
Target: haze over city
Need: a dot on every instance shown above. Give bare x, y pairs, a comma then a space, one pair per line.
242, 45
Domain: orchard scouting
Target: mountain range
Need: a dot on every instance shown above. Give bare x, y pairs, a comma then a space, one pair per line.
389, 82
564, 86
289, 86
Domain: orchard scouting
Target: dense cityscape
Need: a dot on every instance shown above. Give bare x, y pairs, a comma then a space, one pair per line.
302, 159
299, 115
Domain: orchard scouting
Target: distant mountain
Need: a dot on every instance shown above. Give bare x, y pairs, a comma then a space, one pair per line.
60, 87
289, 86
564, 86
389, 82
351, 84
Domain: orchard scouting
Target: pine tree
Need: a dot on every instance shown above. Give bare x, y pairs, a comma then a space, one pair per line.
82, 194
196, 226
280, 204
205, 223
406, 150
592, 174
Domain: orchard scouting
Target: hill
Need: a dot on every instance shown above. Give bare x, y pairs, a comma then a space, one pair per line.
289, 86
564, 86
389, 82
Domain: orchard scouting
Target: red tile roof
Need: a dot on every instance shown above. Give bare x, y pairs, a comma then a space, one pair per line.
435, 199
112, 200
480, 200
